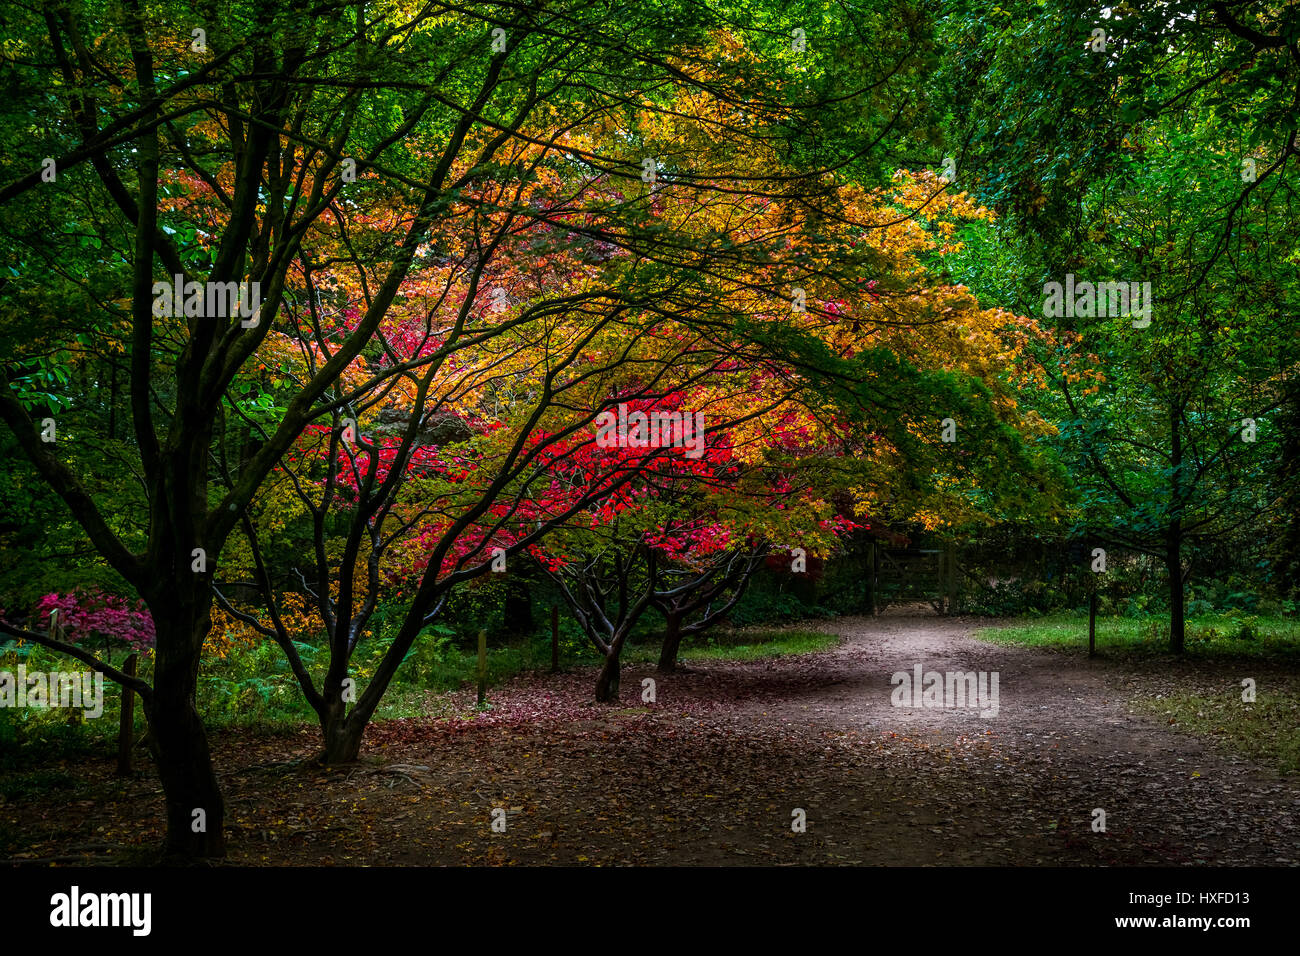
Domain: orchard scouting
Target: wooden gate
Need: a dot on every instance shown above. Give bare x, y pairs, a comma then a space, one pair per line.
908, 575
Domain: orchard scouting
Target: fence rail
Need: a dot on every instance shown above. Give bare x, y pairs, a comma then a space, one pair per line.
901, 575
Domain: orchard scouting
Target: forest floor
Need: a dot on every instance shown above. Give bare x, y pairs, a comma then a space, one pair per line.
713, 770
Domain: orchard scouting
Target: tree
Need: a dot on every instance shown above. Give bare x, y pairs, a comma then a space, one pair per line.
685, 532
1173, 442
699, 594
1166, 158
216, 159
247, 148
630, 293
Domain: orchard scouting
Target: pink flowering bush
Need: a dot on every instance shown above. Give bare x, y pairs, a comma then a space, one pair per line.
88, 613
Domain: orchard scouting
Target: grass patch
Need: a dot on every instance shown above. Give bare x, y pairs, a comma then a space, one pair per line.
1267, 730
744, 645
751, 646
1232, 634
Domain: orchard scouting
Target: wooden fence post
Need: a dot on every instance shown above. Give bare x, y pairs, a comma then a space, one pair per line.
952, 578
942, 583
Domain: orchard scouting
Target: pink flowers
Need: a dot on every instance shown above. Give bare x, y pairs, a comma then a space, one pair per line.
92, 613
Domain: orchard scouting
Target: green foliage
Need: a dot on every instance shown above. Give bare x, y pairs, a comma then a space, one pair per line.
36, 735
735, 644
770, 599
254, 687
1010, 597
1128, 164
479, 605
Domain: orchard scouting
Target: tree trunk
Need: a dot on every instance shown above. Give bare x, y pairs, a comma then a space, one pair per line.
1174, 564
342, 741
672, 641
340, 736
180, 742
1174, 533
607, 682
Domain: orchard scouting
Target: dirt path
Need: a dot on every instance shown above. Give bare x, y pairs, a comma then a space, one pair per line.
712, 771
948, 785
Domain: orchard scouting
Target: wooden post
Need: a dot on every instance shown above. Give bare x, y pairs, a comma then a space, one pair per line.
126, 723
482, 667
952, 578
942, 582
1092, 623
555, 639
